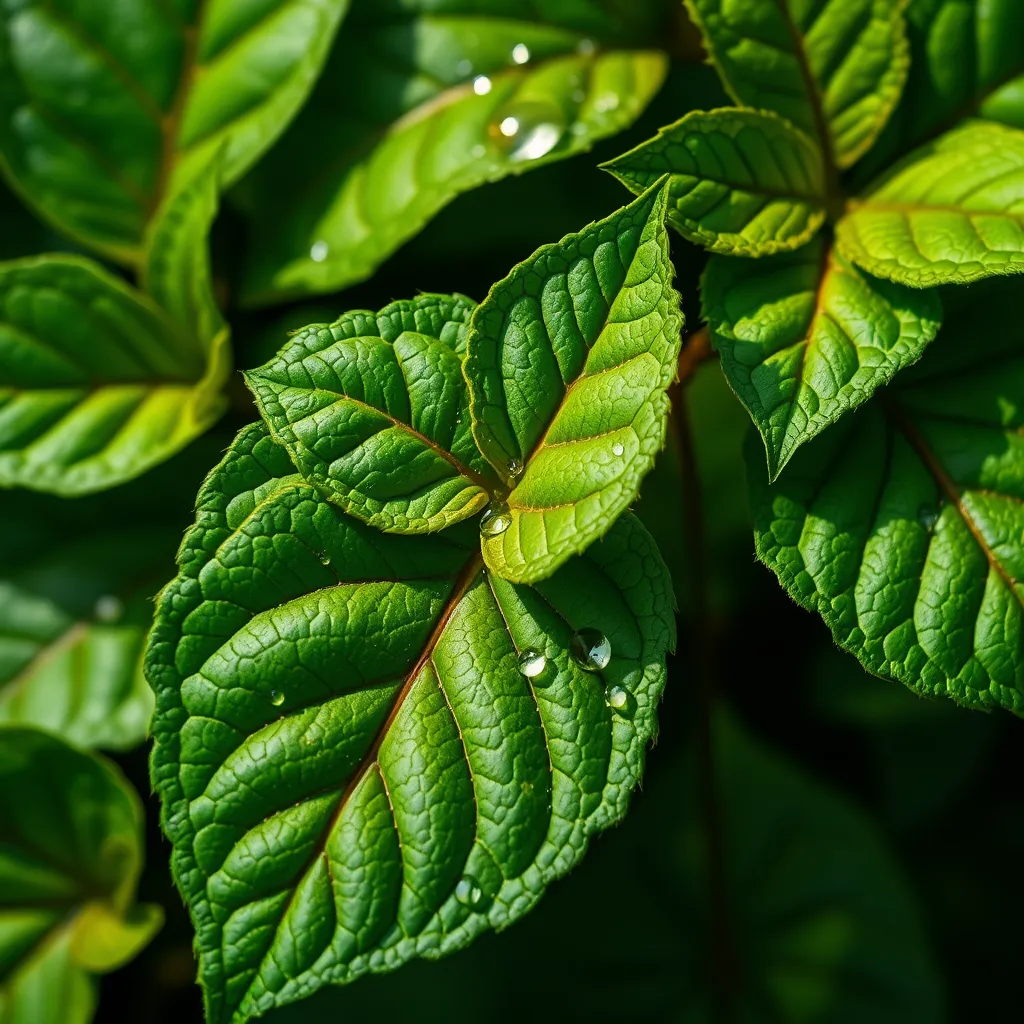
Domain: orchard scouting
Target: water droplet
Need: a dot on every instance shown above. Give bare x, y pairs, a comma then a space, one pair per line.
618, 698
318, 251
617, 449
514, 467
495, 520
520, 53
481, 85
325, 559
528, 129
532, 663
591, 650
609, 101
464, 67
585, 47
476, 152
276, 698
108, 609
468, 891
928, 516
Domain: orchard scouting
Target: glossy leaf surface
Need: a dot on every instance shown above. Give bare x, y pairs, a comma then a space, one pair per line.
95, 385
742, 182
835, 68
902, 525
951, 213
106, 109
71, 837
374, 412
806, 337
355, 769
448, 98
569, 360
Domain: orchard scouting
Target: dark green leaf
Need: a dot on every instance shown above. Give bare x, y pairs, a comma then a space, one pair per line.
105, 109
418, 104
951, 213
70, 855
569, 360
834, 68
355, 769
806, 337
95, 385
743, 182
374, 412
902, 526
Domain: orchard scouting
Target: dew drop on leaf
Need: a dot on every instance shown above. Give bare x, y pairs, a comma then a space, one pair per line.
928, 516
528, 129
495, 520
481, 85
617, 449
468, 891
520, 53
325, 559
318, 251
618, 698
532, 663
276, 698
514, 467
591, 650
108, 609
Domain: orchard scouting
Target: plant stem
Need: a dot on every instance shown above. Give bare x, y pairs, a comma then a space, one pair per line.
696, 351
721, 952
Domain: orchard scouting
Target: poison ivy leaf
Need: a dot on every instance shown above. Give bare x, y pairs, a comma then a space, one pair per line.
806, 337
951, 213
95, 385
569, 359
966, 60
368, 749
447, 101
374, 412
76, 581
834, 68
902, 525
105, 110
823, 924
743, 182
71, 841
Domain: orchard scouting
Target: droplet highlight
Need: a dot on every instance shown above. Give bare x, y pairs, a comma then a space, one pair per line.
591, 650
325, 559
520, 53
276, 698
481, 85
618, 698
528, 129
318, 251
495, 520
617, 449
468, 891
108, 609
514, 467
532, 663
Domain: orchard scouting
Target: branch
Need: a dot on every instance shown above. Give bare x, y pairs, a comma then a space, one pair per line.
696, 350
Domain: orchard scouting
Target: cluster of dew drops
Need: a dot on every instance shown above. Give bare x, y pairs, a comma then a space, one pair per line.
521, 129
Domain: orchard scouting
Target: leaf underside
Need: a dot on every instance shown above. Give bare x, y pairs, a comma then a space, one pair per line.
427, 124
742, 182
902, 525
569, 359
951, 213
806, 337
346, 748
835, 68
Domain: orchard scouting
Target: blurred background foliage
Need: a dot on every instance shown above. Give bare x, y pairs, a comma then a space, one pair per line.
871, 838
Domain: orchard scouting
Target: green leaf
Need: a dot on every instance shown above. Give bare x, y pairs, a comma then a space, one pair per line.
966, 61
951, 213
353, 767
76, 585
806, 337
569, 359
374, 411
902, 525
834, 68
71, 836
742, 182
442, 106
106, 110
823, 924
95, 385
